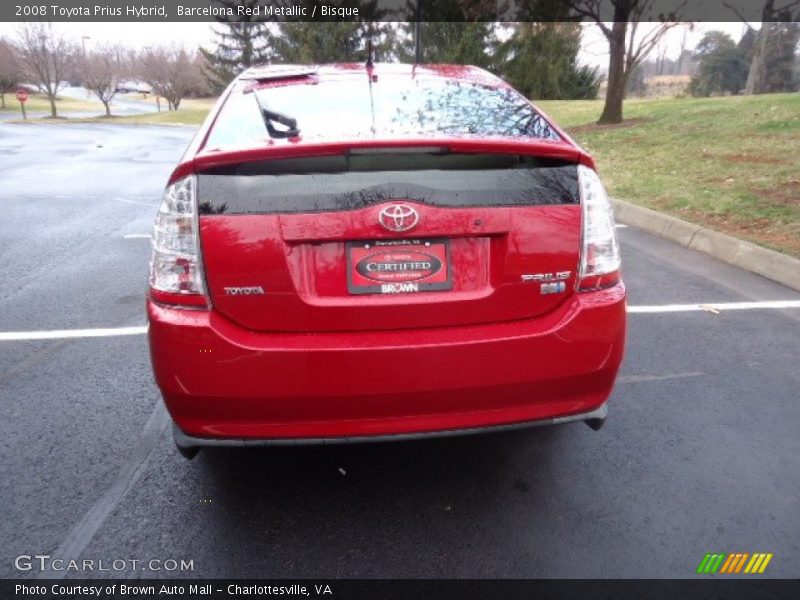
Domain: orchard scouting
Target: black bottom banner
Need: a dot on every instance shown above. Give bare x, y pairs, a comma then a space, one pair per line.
380, 589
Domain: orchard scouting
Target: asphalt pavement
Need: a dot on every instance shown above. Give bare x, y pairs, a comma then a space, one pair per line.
700, 452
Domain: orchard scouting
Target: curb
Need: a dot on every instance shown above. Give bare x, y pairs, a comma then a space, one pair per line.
767, 263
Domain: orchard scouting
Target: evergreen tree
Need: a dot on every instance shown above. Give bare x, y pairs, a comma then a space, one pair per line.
450, 43
780, 58
450, 31
333, 40
747, 43
240, 44
317, 42
541, 61
721, 67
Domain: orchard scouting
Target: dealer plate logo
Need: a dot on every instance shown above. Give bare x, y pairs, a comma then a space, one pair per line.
398, 265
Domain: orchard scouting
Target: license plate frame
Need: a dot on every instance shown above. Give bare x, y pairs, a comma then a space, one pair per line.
366, 276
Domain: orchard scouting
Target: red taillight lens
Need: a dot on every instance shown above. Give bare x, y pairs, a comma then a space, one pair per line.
175, 270
600, 259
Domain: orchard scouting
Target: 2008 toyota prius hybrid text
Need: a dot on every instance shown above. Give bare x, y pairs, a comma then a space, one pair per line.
353, 252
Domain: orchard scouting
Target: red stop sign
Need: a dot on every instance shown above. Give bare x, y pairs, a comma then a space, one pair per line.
22, 95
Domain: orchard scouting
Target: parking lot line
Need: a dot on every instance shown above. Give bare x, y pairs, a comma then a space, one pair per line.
84, 530
646, 378
136, 236
713, 306
59, 334
126, 201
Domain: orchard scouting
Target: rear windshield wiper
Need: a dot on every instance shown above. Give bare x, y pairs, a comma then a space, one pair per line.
271, 117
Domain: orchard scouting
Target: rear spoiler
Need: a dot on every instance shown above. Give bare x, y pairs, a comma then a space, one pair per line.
543, 148
272, 73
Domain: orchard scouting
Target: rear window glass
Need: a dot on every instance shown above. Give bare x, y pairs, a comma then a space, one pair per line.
334, 183
392, 107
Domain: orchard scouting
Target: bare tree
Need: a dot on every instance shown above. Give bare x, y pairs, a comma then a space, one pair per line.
104, 68
9, 69
627, 44
683, 50
661, 58
45, 57
172, 72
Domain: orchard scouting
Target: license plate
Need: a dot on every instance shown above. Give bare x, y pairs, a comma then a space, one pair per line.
398, 266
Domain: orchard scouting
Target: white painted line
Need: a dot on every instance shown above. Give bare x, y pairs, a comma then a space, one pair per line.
712, 306
126, 201
621, 226
137, 236
82, 532
638, 378
61, 334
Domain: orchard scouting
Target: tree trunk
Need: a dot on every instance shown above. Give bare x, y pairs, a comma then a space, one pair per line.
2, 100
247, 46
615, 91
107, 104
756, 74
52, 99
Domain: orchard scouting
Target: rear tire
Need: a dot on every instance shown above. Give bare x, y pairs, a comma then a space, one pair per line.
188, 452
595, 424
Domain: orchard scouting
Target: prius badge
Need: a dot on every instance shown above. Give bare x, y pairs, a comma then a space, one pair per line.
551, 283
398, 217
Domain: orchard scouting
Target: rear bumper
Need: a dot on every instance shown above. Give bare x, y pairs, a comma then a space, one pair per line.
594, 417
222, 382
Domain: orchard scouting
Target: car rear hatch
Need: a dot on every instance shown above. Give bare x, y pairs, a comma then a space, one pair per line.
390, 237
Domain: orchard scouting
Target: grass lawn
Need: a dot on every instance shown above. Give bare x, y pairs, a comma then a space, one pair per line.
192, 111
39, 103
731, 163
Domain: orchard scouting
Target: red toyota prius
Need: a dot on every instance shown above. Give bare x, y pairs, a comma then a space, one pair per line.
354, 253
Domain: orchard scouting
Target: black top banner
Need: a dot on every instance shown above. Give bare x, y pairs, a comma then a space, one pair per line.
396, 10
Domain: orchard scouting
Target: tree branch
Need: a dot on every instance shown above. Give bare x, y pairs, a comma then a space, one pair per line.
589, 9
738, 14
788, 6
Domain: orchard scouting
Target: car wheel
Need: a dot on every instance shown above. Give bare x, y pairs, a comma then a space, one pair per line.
595, 424
188, 452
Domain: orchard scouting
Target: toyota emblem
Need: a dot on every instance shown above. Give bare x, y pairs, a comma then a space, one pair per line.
398, 217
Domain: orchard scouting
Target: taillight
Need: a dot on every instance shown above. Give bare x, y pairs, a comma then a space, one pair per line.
600, 260
176, 275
